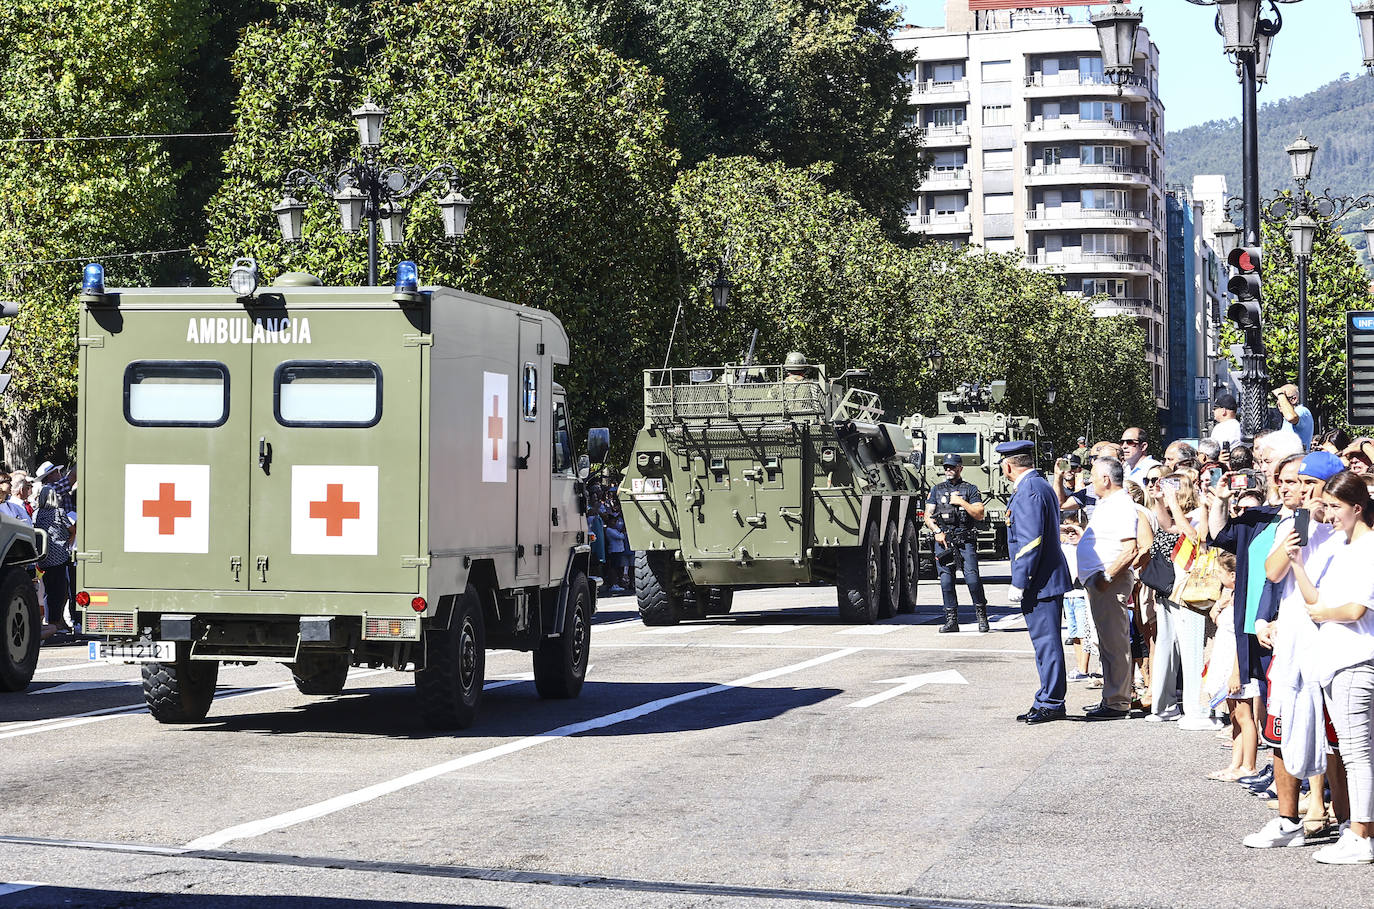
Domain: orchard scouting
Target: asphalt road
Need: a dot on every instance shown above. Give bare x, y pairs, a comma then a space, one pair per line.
772, 757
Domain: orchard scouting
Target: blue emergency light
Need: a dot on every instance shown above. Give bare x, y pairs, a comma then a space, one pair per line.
93, 282
407, 278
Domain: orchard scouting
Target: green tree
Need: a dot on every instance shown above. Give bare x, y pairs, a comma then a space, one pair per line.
1336, 283
560, 143
795, 81
79, 69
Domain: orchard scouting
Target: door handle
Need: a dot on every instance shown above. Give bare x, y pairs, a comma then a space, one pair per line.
523, 462
262, 568
265, 454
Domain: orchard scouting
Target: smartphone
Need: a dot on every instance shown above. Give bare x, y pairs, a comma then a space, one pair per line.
1214, 475
1173, 483
1239, 481
1302, 520
1062, 465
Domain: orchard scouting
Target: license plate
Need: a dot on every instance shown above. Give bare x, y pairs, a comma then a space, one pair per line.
131, 651
653, 484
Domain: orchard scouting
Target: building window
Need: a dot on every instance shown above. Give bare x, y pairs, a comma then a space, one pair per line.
947, 116
1104, 199
1104, 243
996, 159
996, 70
996, 114
946, 72
1110, 287
1102, 154
997, 204
1099, 110
950, 203
1090, 69
1051, 156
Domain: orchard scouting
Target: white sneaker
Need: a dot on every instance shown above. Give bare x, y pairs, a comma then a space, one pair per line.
1076, 676
1199, 723
1167, 715
1350, 849
1277, 833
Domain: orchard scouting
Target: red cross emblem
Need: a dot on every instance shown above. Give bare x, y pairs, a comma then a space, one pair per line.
495, 426
334, 510
166, 508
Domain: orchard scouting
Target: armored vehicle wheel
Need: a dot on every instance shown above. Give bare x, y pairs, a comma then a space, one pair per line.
859, 579
719, 600
180, 692
321, 674
22, 629
560, 664
656, 588
911, 565
891, 601
449, 686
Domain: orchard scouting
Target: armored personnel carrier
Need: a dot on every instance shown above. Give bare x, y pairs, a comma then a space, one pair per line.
745, 475
968, 427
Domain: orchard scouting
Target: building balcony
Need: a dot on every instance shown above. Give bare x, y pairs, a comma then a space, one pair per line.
1090, 263
946, 179
946, 136
1076, 130
1072, 172
932, 92
955, 223
1040, 85
1064, 217
1136, 307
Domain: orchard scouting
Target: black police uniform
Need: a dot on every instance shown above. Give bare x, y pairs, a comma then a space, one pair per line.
960, 531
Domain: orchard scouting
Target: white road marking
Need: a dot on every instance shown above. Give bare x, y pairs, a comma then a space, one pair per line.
870, 629
709, 645
770, 629
515, 680
84, 686
84, 664
675, 629
361, 796
911, 683
15, 886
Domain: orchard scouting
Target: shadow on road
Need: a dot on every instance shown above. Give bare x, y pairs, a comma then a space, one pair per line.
516, 711
47, 896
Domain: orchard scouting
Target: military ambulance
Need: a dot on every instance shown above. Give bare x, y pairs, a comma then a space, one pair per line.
326, 477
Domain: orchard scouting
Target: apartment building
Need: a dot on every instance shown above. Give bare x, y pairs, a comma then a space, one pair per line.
1034, 150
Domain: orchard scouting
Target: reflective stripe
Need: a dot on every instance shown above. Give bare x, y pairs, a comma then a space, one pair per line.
1028, 547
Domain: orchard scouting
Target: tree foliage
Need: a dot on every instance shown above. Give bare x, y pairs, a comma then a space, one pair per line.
80, 69
560, 143
795, 81
813, 272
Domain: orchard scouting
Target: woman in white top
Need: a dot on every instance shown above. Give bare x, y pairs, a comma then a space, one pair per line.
1341, 601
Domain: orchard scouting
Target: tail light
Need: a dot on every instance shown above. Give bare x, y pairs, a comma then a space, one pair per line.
419, 604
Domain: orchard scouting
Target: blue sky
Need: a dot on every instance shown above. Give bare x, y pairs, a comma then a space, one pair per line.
1318, 43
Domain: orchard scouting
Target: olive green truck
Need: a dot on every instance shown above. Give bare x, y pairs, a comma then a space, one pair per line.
327, 477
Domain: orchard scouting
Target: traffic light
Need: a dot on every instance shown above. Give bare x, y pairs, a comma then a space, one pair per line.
1245, 285
8, 310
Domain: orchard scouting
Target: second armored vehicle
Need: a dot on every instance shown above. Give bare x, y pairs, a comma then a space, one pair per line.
769, 475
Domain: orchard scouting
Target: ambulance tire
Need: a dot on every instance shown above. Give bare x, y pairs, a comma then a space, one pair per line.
656, 589
891, 601
22, 629
180, 692
560, 664
449, 687
859, 579
911, 565
324, 674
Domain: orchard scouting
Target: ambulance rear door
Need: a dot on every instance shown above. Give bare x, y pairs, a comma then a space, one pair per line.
335, 453
163, 421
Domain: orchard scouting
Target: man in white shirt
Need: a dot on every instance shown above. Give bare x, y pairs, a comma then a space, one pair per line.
1105, 553
1134, 458
1227, 429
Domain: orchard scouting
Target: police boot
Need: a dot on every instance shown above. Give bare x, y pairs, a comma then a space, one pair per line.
951, 621
982, 613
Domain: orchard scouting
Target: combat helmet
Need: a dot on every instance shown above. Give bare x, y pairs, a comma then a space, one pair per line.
796, 363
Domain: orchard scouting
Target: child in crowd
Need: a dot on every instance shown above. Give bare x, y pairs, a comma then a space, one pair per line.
1081, 634
1223, 680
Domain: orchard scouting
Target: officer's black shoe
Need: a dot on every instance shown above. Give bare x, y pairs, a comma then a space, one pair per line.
982, 613
951, 623
1045, 715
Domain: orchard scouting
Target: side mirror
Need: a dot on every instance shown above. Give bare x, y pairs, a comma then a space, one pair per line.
598, 444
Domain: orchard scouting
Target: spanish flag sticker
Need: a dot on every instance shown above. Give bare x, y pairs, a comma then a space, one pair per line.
99, 598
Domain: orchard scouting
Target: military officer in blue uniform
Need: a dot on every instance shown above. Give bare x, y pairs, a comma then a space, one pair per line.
1039, 574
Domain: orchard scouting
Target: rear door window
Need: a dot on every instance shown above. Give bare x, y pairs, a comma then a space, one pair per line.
176, 393
332, 393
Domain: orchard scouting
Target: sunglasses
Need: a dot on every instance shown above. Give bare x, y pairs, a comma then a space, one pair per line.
1131, 441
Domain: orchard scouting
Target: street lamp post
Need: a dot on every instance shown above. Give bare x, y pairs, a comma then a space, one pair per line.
381, 194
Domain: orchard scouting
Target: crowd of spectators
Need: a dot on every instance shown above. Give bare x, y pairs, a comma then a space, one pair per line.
1230, 588
46, 500
612, 559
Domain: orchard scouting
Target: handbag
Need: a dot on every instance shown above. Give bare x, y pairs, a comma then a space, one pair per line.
1202, 585
1158, 573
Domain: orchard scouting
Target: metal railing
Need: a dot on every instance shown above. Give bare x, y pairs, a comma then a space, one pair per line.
958, 219
947, 175
1075, 167
938, 132
1042, 80
1073, 257
733, 392
932, 87
1061, 213
1130, 126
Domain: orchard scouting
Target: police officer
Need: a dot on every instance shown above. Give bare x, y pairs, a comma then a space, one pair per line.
1039, 573
955, 507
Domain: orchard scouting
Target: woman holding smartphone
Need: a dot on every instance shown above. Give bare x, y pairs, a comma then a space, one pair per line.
1341, 602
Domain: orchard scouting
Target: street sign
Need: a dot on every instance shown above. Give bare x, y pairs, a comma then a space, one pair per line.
1201, 388
1359, 369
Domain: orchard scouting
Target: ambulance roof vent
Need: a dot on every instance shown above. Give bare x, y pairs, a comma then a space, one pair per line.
297, 279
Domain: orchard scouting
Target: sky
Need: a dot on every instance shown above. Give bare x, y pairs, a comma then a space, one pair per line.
1319, 41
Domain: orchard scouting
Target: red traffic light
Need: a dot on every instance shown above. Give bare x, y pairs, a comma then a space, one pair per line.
1245, 258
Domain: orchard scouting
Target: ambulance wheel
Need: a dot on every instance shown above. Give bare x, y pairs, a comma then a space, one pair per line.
911, 566
859, 579
321, 674
180, 692
560, 664
22, 628
449, 687
656, 588
719, 600
891, 602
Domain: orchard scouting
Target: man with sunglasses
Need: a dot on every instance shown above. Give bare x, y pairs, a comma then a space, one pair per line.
1134, 457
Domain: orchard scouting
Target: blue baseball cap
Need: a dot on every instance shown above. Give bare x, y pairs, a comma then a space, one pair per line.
1320, 465
1016, 447
952, 460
